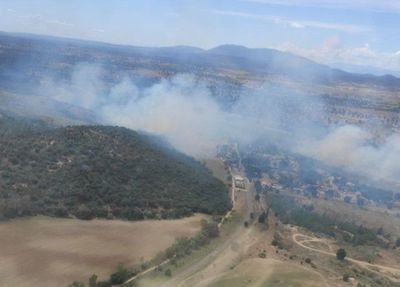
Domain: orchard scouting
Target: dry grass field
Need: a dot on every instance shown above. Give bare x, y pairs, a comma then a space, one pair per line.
269, 273
49, 252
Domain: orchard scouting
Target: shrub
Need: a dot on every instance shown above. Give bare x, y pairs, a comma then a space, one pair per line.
346, 277
168, 273
84, 212
341, 254
121, 275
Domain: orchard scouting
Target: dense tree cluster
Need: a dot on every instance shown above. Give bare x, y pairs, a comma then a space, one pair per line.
98, 171
11, 126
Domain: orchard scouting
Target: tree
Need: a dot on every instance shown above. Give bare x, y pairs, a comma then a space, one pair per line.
76, 284
262, 218
347, 199
104, 284
360, 201
168, 273
93, 281
121, 275
210, 229
84, 212
346, 277
398, 242
341, 254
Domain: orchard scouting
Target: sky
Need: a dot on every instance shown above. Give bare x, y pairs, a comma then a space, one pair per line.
344, 33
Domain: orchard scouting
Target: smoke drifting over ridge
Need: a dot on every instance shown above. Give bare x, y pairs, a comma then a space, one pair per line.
183, 110
349, 147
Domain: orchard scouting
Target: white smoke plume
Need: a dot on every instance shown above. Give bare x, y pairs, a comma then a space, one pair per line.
183, 110
180, 109
350, 147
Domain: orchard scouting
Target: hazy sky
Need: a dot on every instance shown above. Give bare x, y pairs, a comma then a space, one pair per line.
362, 32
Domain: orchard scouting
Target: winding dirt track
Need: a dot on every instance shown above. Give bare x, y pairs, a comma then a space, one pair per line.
204, 261
394, 272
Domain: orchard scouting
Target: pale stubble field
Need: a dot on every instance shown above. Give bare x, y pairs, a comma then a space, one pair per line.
50, 252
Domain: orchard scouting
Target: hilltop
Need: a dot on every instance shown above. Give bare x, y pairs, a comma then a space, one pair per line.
102, 171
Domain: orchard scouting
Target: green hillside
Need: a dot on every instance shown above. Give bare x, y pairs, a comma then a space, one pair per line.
101, 171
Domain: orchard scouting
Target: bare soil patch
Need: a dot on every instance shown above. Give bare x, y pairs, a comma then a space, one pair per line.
50, 252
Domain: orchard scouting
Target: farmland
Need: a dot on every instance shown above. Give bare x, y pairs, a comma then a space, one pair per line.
47, 252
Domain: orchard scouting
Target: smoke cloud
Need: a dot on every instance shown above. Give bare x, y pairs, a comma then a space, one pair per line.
350, 147
183, 110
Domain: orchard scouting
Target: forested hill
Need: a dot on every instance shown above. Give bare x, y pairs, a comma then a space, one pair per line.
99, 171
13, 126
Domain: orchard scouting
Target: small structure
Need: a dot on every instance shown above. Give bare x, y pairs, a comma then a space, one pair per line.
239, 182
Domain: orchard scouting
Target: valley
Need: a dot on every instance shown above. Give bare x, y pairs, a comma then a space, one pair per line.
181, 166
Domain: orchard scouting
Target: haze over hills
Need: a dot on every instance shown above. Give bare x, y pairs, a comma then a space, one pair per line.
40, 55
62, 73
220, 92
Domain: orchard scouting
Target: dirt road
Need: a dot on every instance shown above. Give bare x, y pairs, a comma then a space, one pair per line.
188, 272
220, 259
394, 272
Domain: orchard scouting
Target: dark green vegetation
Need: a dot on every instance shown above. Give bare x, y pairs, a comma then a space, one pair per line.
185, 246
15, 126
341, 254
97, 171
290, 212
121, 275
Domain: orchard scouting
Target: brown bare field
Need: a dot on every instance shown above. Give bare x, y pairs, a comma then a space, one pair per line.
50, 252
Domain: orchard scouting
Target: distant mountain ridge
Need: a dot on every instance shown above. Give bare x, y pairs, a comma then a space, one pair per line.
253, 60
